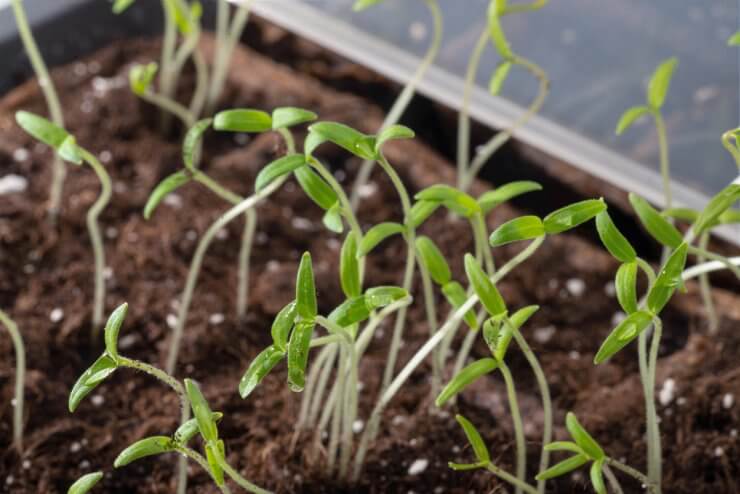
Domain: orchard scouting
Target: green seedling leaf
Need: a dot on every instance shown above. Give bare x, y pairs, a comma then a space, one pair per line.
191, 143
500, 340
333, 218
564, 446
476, 442
305, 289
453, 199
420, 211
465, 467
613, 240
573, 215
729, 216
433, 260
466, 376
668, 280
352, 311
455, 295
201, 411
184, 19
623, 334
363, 4
316, 188
382, 296
150, 446
277, 169
625, 284
120, 6
377, 234
282, 325
492, 331
563, 467
85, 483
484, 288
94, 375
660, 82
629, 117
582, 438
288, 116
346, 137
298, 348
165, 187
214, 451
597, 477
70, 151
187, 431
41, 129
491, 199
654, 223
522, 228
259, 368
392, 132
734, 40
497, 33
684, 214
499, 77
112, 328
243, 120
717, 205
140, 77
349, 268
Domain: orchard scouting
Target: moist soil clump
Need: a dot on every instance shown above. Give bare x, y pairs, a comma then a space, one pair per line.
47, 269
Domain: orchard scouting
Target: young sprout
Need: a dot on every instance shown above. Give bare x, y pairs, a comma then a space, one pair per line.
66, 147
404, 98
585, 449
84, 484
20, 379
467, 169
190, 397
268, 181
52, 102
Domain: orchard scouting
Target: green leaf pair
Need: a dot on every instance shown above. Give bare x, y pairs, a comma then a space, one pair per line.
41, 129
140, 77
658, 227
358, 309
361, 145
453, 199
476, 442
257, 121
493, 198
85, 483
656, 94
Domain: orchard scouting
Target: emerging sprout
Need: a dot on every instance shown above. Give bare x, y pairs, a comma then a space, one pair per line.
20, 378
85, 483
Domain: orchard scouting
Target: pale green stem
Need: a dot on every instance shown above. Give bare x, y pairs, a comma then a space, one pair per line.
198, 100
463, 117
317, 369
169, 106
350, 412
321, 385
494, 144
655, 458
516, 8
202, 462
197, 261
504, 475
225, 50
708, 267
336, 420
516, 417
366, 335
403, 100
706, 289
665, 171
642, 354
612, 479
59, 172
242, 293
635, 474
431, 313
541, 379
426, 349
20, 379
168, 76
237, 477
96, 239
480, 231
702, 252
343, 200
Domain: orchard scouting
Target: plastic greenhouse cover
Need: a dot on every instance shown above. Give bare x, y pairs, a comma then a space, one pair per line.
599, 55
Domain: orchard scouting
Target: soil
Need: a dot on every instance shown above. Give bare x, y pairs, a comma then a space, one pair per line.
44, 268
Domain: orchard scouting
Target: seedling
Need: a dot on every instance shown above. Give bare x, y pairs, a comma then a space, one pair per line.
203, 424
84, 484
66, 148
268, 181
20, 379
52, 102
467, 170
404, 98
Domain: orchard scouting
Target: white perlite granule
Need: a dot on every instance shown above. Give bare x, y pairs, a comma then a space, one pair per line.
418, 466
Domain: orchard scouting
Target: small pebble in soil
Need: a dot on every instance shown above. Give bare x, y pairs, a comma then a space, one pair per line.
222, 234
108, 272
9, 480
575, 286
84, 465
56, 315
727, 401
367, 190
733, 433
191, 235
97, 400
87, 106
357, 426
574, 355
29, 269
272, 266
552, 284
300, 223
610, 289
618, 317
111, 232
21, 154
106, 156
360, 386
681, 401
340, 175
75, 447
718, 451
262, 238
11, 184
333, 244
543, 335
127, 341
26, 464
241, 138
418, 466
398, 420
667, 392
171, 320
216, 319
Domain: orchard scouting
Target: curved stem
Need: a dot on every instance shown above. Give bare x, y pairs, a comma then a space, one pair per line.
237, 477
343, 200
202, 462
706, 289
546, 402
169, 44
365, 336
452, 321
708, 267
654, 448
198, 100
20, 379
431, 313
504, 475
169, 105
635, 474
665, 171
612, 479
245, 252
516, 417
730, 143
350, 409
463, 117
702, 252
403, 100
52, 101
317, 369
96, 239
480, 231
197, 261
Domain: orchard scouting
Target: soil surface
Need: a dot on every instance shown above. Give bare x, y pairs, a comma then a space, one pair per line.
46, 285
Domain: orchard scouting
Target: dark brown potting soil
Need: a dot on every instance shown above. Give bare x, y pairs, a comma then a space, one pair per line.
47, 270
